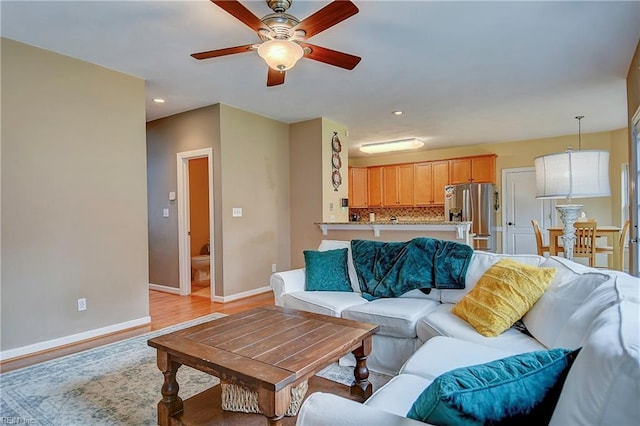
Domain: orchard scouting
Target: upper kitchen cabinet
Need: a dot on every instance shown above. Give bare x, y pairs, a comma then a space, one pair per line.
374, 186
398, 182
480, 169
430, 179
358, 192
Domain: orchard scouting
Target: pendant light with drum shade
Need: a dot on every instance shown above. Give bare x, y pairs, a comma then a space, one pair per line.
572, 174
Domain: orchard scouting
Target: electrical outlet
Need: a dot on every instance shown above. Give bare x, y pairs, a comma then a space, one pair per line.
273, 267
82, 304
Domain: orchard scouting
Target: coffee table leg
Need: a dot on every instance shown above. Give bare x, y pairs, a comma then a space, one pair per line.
275, 421
361, 386
171, 403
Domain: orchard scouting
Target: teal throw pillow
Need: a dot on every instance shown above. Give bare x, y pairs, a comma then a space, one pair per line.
522, 388
326, 270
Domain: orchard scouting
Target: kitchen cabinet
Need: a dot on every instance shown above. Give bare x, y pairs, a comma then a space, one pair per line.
358, 191
479, 169
398, 183
374, 186
430, 179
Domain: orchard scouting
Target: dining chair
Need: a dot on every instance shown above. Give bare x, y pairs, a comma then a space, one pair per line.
609, 249
539, 241
585, 244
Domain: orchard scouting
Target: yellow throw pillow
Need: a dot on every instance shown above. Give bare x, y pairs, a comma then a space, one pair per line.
505, 292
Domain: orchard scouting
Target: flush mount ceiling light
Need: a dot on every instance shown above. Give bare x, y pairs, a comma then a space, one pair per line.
396, 112
158, 100
399, 145
280, 55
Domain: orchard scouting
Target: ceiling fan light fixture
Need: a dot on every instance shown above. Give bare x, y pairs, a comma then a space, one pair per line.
281, 55
399, 145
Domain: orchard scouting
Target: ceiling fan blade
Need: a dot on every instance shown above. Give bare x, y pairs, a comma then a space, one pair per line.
275, 77
222, 52
241, 13
331, 57
327, 17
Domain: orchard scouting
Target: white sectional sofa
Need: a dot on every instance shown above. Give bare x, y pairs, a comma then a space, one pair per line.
420, 338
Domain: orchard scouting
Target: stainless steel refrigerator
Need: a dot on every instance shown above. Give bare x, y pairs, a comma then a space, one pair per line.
476, 203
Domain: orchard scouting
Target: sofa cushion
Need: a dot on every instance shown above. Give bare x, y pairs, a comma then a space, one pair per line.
441, 322
503, 295
441, 354
330, 303
604, 382
569, 288
326, 270
433, 294
338, 244
520, 388
578, 326
395, 316
478, 265
398, 394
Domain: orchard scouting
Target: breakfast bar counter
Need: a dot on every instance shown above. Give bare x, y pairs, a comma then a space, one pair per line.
398, 230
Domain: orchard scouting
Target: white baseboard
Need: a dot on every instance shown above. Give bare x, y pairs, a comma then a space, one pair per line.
73, 338
225, 299
166, 289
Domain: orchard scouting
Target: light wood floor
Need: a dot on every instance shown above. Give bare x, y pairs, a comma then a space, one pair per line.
165, 310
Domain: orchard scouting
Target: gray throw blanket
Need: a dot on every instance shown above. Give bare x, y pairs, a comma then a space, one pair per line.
390, 269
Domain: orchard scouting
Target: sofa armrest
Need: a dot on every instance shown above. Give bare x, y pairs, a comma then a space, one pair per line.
324, 409
286, 282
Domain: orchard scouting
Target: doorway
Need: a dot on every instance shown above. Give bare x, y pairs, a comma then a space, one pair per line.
519, 207
195, 219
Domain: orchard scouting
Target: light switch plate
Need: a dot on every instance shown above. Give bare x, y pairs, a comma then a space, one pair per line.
165, 212
236, 212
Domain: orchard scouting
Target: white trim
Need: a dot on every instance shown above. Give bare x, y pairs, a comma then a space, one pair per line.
73, 338
164, 288
225, 299
461, 229
184, 257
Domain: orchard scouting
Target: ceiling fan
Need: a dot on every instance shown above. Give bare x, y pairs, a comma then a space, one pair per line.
284, 36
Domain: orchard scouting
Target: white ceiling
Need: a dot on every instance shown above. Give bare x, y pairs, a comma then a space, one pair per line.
463, 72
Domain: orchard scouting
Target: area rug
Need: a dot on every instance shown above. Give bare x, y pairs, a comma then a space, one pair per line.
115, 384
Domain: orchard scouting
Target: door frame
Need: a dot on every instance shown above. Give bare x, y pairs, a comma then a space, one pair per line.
634, 195
505, 196
184, 246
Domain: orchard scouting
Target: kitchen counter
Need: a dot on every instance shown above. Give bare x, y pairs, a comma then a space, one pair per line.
457, 230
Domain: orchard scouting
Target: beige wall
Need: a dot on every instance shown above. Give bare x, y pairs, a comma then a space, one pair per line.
331, 210
74, 220
250, 170
306, 175
166, 137
255, 177
313, 196
521, 154
633, 85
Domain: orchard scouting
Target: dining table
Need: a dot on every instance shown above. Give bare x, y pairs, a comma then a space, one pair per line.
612, 233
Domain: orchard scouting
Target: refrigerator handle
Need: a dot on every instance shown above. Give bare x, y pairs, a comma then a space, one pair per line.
466, 205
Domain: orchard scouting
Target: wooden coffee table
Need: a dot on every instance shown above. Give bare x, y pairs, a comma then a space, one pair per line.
267, 350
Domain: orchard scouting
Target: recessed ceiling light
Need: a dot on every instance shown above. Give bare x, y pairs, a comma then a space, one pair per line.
158, 100
397, 112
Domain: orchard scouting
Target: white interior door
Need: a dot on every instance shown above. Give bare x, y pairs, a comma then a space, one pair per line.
519, 207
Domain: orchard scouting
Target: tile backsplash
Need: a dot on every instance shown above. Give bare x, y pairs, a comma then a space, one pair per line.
401, 213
